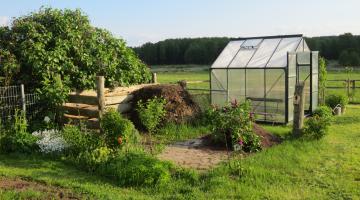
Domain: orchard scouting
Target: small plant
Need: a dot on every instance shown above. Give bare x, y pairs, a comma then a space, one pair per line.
79, 140
322, 79
317, 126
151, 113
16, 138
118, 130
336, 99
232, 125
137, 169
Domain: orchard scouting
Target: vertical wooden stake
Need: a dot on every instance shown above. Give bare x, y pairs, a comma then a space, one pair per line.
299, 104
23, 99
100, 86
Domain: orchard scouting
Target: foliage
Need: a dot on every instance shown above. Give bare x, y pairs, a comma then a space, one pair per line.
55, 50
9, 66
232, 125
50, 141
206, 50
349, 57
336, 99
16, 138
182, 51
322, 79
81, 140
137, 169
317, 126
323, 111
151, 112
118, 130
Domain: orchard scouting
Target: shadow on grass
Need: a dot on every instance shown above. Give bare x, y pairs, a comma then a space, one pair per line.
41, 168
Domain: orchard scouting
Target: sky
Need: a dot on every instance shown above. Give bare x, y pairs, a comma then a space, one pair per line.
141, 21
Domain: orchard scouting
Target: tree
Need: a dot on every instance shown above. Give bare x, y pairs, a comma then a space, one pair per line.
56, 48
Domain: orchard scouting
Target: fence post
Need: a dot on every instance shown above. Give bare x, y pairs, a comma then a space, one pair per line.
154, 78
100, 86
299, 104
23, 98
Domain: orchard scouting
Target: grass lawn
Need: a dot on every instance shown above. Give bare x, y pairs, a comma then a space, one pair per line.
295, 169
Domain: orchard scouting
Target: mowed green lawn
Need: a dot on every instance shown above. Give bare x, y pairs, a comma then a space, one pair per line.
295, 169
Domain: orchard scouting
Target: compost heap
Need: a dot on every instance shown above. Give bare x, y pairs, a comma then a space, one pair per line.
179, 104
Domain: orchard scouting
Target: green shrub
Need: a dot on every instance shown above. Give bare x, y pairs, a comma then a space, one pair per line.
81, 140
137, 169
317, 126
16, 138
118, 130
151, 112
232, 125
323, 111
335, 99
91, 159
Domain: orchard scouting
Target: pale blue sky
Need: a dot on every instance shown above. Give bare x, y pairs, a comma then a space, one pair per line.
140, 21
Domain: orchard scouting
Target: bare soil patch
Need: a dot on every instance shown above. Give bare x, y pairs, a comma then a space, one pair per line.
202, 154
50, 192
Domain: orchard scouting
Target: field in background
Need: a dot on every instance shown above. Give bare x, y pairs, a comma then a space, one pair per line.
175, 73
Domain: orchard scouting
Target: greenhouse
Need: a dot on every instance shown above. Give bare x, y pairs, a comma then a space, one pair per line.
265, 70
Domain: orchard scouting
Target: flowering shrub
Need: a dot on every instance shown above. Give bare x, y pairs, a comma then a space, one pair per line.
232, 125
50, 141
118, 130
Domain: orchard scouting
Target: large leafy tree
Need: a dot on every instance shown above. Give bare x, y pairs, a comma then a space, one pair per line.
55, 50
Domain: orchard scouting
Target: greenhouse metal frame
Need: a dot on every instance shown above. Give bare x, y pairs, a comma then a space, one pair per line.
265, 70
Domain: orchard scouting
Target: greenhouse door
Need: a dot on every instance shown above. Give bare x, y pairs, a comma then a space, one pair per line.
303, 73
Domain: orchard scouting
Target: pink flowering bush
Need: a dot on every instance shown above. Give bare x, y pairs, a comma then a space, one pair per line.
232, 125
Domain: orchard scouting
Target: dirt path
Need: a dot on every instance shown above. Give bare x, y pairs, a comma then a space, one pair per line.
193, 154
50, 192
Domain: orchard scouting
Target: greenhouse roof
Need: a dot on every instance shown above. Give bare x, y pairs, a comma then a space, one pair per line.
260, 52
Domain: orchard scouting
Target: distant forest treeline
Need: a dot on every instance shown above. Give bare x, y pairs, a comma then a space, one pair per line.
344, 48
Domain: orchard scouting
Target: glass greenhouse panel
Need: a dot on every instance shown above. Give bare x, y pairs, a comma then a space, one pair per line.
227, 54
264, 53
314, 100
236, 84
303, 58
218, 79
275, 95
255, 90
279, 58
247, 50
304, 75
218, 98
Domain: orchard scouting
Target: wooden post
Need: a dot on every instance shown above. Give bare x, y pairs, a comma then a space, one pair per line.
299, 104
23, 99
154, 78
100, 86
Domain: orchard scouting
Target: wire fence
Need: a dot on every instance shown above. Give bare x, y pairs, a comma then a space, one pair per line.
348, 88
13, 98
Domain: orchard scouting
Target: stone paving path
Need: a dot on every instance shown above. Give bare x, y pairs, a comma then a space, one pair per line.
193, 154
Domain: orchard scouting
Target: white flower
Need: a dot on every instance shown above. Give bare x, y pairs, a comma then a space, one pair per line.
46, 119
50, 141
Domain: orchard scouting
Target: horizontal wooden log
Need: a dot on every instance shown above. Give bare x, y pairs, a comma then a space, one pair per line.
83, 99
122, 108
118, 99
